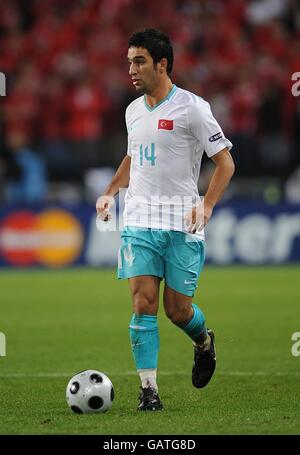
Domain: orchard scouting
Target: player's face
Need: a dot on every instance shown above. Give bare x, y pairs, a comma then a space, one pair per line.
143, 72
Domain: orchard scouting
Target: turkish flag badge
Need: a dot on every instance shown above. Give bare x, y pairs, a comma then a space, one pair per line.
165, 124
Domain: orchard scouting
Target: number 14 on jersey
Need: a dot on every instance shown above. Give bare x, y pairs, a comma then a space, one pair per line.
146, 155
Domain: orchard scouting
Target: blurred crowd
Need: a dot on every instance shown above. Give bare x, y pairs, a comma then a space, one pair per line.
67, 82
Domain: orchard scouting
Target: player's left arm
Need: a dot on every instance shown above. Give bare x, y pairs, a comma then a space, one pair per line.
221, 177
204, 127
199, 216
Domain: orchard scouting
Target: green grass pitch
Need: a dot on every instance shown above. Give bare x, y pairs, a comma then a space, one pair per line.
57, 323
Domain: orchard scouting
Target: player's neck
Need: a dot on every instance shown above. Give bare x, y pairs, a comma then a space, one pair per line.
159, 93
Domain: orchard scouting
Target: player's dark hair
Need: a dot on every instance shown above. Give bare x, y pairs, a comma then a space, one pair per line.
157, 44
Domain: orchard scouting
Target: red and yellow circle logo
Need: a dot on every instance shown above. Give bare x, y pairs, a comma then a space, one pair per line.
52, 238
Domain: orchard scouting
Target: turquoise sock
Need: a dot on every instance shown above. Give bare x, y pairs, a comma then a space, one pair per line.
144, 337
196, 329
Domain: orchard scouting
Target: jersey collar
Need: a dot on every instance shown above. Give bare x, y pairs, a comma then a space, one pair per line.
169, 95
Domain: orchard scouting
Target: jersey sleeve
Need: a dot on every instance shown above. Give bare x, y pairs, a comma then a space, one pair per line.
206, 129
128, 147
128, 136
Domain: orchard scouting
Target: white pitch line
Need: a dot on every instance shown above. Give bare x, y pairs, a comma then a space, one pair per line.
163, 373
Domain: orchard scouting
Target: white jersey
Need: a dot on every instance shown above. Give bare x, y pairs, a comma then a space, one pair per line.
166, 144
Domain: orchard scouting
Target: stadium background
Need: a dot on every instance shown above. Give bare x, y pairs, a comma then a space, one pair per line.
62, 129
63, 134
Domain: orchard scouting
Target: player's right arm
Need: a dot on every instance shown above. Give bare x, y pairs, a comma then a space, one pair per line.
120, 180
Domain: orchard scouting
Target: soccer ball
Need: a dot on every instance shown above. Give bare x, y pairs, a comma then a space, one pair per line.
90, 391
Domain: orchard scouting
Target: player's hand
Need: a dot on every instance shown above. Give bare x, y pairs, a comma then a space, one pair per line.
197, 218
103, 206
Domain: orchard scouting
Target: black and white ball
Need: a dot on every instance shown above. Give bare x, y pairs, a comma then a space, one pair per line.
90, 391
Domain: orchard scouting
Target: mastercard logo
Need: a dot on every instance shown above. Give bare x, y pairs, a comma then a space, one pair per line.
52, 238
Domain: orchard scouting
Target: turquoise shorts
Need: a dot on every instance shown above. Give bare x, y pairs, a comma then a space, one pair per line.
173, 255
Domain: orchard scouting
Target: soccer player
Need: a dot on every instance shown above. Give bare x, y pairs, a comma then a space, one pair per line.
169, 128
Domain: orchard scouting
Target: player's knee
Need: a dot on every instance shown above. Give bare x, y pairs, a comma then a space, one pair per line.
178, 315
143, 304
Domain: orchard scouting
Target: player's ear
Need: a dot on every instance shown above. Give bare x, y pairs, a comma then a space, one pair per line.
163, 65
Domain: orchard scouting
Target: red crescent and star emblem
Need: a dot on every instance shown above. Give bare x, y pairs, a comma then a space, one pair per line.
164, 124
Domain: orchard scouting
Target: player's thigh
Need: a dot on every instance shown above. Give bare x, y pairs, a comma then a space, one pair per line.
184, 262
178, 306
145, 294
139, 255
